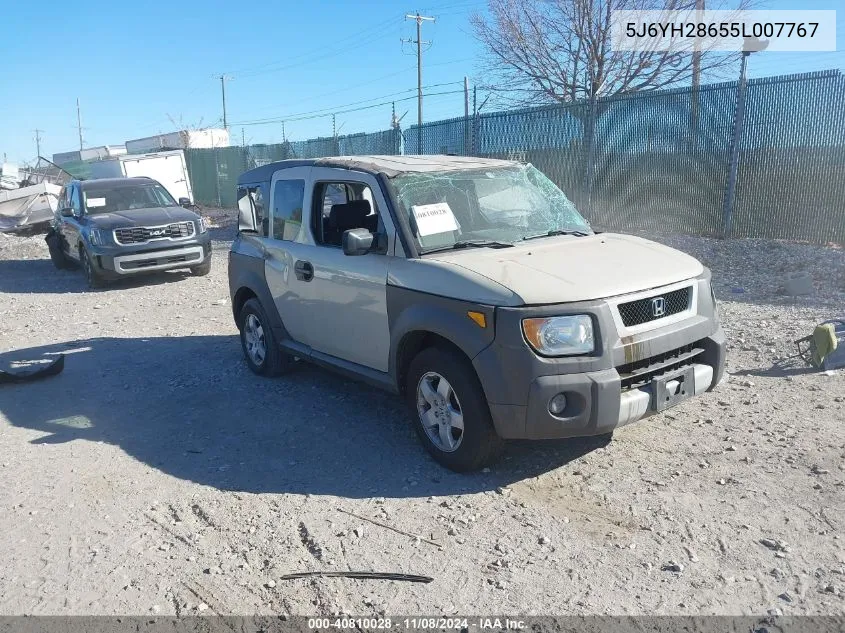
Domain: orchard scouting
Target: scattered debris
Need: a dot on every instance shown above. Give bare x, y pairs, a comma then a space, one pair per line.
691, 554
673, 566
390, 527
361, 575
798, 284
775, 545
33, 371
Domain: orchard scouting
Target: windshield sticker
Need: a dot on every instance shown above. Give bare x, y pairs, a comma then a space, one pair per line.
434, 218
93, 203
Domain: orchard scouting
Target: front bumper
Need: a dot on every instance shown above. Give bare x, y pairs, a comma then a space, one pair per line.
117, 262
519, 384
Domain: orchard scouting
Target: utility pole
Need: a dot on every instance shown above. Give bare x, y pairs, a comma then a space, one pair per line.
38, 143
223, 79
696, 54
751, 45
79, 124
466, 96
696, 76
284, 138
243, 138
419, 19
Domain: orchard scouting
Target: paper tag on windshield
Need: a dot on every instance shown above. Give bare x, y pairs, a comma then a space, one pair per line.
434, 218
93, 203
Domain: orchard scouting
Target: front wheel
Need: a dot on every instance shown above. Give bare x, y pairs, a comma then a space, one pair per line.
450, 411
57, 255
261, 351
92, 276
203, 269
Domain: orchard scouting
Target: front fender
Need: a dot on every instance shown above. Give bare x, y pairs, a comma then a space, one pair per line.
412, 311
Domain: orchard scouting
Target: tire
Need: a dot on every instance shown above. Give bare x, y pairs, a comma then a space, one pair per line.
474, 446
259, 345
57, 255
94, 279
203, 269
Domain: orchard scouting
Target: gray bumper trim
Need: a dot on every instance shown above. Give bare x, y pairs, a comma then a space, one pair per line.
177, 252
635, 404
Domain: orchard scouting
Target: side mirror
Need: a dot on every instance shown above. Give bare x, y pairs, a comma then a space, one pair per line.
357, 242
185, 202
67, 212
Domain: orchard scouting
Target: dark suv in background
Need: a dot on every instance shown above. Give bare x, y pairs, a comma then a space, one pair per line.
118, 227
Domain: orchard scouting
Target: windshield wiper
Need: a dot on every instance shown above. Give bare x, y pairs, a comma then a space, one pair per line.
472, 244
554, 232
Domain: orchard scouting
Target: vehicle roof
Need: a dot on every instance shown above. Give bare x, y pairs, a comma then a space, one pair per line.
390, 166
113, 183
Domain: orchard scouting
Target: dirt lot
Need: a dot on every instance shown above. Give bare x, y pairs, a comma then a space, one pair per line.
156, 474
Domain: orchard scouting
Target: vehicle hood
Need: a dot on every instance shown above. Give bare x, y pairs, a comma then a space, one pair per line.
154, 216
569, 268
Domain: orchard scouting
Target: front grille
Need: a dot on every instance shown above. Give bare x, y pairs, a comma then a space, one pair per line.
655, 307
141, 234
641, 372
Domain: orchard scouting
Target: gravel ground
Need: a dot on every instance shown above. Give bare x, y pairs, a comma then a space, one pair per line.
156, 474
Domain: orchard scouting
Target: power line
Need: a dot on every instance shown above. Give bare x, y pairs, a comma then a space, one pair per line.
335, 109
359, 109
321, 54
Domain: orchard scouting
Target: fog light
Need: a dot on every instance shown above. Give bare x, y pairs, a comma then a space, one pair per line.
557, 404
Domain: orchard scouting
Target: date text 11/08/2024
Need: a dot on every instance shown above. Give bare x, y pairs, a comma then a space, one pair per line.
417, 624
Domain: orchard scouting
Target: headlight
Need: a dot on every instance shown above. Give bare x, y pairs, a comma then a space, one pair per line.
560, 336
98, 237
201, 227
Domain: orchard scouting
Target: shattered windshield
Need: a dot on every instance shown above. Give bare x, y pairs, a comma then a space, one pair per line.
125, 198
502, 205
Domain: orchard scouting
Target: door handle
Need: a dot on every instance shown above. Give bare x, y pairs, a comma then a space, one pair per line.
304, 270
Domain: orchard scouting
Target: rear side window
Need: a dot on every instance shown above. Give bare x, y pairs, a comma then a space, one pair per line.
254, 198
287, 208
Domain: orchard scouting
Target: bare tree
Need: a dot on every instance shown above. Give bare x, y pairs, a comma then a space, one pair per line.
560, 50
185, 129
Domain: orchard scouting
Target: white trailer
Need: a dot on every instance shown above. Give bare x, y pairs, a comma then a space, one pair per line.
183, 139
168, 168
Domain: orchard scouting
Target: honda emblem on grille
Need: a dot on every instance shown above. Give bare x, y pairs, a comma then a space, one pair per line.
658, 307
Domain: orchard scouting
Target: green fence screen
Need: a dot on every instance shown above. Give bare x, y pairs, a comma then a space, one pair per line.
656, 161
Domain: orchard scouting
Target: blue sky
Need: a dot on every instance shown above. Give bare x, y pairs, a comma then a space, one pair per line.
134, 67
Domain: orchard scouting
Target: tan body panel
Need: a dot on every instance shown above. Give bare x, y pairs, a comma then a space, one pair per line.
563, 269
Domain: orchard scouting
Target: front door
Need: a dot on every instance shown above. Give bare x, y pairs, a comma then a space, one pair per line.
347, 295
70, 228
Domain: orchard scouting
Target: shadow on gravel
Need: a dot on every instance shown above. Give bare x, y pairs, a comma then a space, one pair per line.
190, 407
41, 277
793, 366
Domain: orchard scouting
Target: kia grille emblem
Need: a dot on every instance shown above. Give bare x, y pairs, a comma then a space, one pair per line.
658, 307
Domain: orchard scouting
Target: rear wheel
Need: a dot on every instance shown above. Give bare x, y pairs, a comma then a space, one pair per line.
261, 350
450, 410
92, 276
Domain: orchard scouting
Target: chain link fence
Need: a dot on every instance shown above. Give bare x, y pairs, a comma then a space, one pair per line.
655, 161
